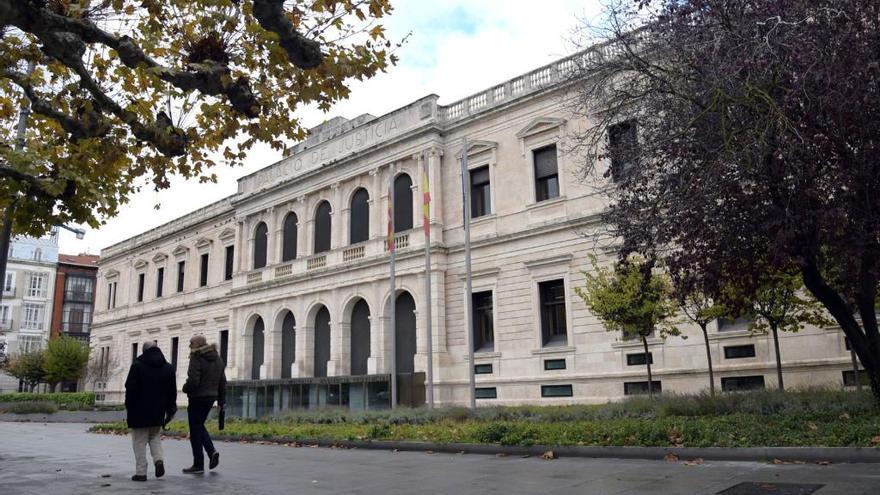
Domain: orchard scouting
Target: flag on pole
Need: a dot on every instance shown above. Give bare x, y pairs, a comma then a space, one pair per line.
426, 204
390, 240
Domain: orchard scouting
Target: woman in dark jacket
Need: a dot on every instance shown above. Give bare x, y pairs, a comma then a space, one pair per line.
205, 383
150, 403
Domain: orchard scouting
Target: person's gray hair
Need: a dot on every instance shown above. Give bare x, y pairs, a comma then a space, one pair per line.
150, 344
198, 341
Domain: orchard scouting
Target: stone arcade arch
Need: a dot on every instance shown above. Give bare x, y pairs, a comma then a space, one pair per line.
288, 344
359, 217
322, 341
257, 348
360, 337
405, 332
323, 227
289, 237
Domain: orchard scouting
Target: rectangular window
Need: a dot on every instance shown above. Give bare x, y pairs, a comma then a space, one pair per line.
134, 352
79, 289
33, 316
623, 149
546, 173
739, 351
482, 369
640, 388
485, 393
556, 391
554, 364
175, 343
9, 283
29, 343
111, 295
740, 323
203, 272
639, 359
849, 379
37, 285
141, 279
484, 338
230, 257
160, 281
181, 273
76, 318
552, 299
737, 383
224, 346
481, 193
4, 315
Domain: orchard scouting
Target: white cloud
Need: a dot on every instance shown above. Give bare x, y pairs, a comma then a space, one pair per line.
456, 48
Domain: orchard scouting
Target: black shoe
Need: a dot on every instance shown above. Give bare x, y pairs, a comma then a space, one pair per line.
193, 470
215, 460
139, 477
160, 469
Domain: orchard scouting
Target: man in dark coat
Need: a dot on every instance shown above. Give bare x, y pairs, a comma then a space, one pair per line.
205, 383
150, 403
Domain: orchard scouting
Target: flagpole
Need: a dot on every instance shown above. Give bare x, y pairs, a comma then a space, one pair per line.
393, 316
469, 314
426, 220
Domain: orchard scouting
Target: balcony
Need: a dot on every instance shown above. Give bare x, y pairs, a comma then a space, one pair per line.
79, 296
340, 258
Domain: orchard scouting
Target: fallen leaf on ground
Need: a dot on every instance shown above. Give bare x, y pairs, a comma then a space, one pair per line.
844, 415
549, 455
694, 462
823, 463
500, 454
812, 426
671, 457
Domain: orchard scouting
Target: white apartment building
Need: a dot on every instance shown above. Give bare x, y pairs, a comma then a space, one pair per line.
28, 293
290, 273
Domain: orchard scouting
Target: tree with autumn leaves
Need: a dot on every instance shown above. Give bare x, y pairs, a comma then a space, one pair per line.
757, 144
128, 93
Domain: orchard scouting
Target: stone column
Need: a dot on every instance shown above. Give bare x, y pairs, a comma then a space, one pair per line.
340, 349
435, 179
379, 345
418, 191
271, 350
239, 244
272, 255
304, 363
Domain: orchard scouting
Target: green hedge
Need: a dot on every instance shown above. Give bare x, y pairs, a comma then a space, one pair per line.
28, 408
733, 430
64, 400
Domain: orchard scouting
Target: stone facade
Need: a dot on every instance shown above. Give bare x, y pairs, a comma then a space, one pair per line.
533, 239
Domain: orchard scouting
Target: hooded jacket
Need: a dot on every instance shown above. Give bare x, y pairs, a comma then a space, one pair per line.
206, 376
150, 390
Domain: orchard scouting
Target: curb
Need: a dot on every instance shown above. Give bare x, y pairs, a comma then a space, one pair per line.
835, 455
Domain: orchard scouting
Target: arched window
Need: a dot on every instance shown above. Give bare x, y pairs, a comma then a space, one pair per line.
359, 225
403, 201
322, 228
405, 332
288, 344
288, 249
261, 244
360, 337
322, 341
257, 351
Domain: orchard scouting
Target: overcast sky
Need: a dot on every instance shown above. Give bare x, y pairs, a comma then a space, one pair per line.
456, 48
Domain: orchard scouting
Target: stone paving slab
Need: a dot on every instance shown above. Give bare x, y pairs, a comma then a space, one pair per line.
63, 459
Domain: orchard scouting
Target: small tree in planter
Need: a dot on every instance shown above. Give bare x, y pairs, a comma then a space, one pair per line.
632, 299
27, 367
780, 303
65, 360
694, 296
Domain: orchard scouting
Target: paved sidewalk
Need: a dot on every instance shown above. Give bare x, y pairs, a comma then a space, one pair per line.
62, 459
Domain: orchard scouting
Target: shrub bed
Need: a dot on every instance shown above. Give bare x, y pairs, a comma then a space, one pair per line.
798, 419
64, 400
28, 407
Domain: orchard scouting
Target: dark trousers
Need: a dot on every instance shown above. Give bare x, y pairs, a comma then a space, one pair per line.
197, 414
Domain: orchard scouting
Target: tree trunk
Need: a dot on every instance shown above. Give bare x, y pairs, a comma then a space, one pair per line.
648, 364
709, 360
855, 363
778, 358
861, 340
5, 238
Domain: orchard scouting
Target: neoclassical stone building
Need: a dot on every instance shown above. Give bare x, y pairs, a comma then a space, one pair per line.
290, 274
